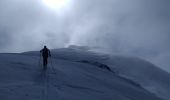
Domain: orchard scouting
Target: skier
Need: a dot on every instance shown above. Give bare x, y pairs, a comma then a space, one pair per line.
45, 52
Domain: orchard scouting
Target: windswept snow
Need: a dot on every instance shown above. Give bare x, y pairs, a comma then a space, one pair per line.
75, 74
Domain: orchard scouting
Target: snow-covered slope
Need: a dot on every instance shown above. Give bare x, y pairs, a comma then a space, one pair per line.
79, 75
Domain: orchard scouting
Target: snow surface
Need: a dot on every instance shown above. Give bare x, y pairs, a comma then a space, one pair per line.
75, 74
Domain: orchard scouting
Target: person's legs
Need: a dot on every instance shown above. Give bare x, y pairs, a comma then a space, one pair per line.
45, 62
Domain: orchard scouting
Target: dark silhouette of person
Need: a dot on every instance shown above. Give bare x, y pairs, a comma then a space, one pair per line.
45, 52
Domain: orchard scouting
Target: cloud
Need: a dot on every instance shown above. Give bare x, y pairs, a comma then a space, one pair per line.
134, 27
138, 28
138, 24
27, 25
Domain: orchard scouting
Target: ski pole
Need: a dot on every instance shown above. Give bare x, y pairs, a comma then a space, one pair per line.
51, 62
52, 66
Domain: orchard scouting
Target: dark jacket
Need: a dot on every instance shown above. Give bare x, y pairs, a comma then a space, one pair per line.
45, 52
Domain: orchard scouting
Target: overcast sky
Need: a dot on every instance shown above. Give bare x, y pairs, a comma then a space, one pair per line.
134, 27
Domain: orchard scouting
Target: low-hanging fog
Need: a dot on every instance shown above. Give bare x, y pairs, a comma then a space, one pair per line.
129, 27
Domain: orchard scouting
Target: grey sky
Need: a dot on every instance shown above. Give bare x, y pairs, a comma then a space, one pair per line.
135, 27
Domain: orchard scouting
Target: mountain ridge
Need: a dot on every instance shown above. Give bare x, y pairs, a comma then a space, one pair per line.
66, 76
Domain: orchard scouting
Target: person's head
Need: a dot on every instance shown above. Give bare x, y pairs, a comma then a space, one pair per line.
45, 46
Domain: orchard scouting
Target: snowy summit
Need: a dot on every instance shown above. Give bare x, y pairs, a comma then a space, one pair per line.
76, 74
